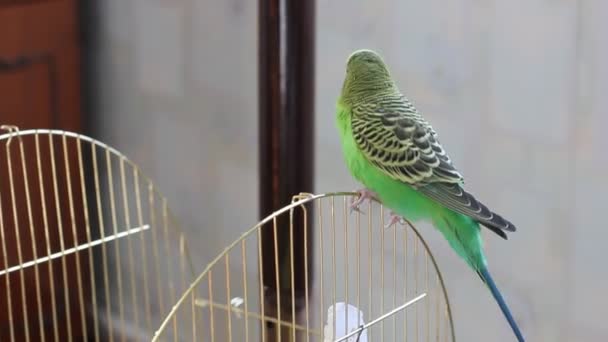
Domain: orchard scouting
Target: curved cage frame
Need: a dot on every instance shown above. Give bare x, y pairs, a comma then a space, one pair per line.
191, 302
74, 219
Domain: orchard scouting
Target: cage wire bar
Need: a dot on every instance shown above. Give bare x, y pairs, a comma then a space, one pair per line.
89, 249
390, 275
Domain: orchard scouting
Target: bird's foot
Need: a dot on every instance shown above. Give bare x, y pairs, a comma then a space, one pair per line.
394, 219
363, 195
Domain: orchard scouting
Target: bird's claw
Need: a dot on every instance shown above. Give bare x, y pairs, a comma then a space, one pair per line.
394, 219
355, 204
363, 195
356, 209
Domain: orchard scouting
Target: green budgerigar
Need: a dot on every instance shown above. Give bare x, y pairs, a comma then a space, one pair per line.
390, 148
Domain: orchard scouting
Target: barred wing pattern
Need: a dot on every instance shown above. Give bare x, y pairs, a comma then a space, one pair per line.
394, 137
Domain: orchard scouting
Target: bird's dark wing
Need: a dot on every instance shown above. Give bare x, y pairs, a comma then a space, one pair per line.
454, 197
397, 140
393, 136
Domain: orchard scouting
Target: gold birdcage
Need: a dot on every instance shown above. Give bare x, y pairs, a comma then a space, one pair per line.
388, 276
90, 251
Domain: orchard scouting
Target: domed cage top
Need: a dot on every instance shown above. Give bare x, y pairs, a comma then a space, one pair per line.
89, 249
386, 280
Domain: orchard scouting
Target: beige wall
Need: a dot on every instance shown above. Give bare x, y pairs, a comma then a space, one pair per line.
515, 89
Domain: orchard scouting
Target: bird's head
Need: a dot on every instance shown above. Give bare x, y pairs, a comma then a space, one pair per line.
364, 62
366, 73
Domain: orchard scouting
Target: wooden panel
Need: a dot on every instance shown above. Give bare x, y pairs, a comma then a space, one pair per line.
21, 2
39, 80
37, 28
26, 100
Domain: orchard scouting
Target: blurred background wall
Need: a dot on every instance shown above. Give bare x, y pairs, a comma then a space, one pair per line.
515, 89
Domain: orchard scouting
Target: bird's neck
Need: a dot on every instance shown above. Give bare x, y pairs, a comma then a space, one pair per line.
359, 92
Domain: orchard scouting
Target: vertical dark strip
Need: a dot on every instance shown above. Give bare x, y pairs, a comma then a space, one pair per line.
270, 104
89, 41
286, 131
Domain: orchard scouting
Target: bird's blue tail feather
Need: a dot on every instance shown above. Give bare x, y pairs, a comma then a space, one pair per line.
485, 275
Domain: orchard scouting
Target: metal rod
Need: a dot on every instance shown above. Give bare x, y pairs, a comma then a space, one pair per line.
74, 249
286, 121
201, 302
381, 318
